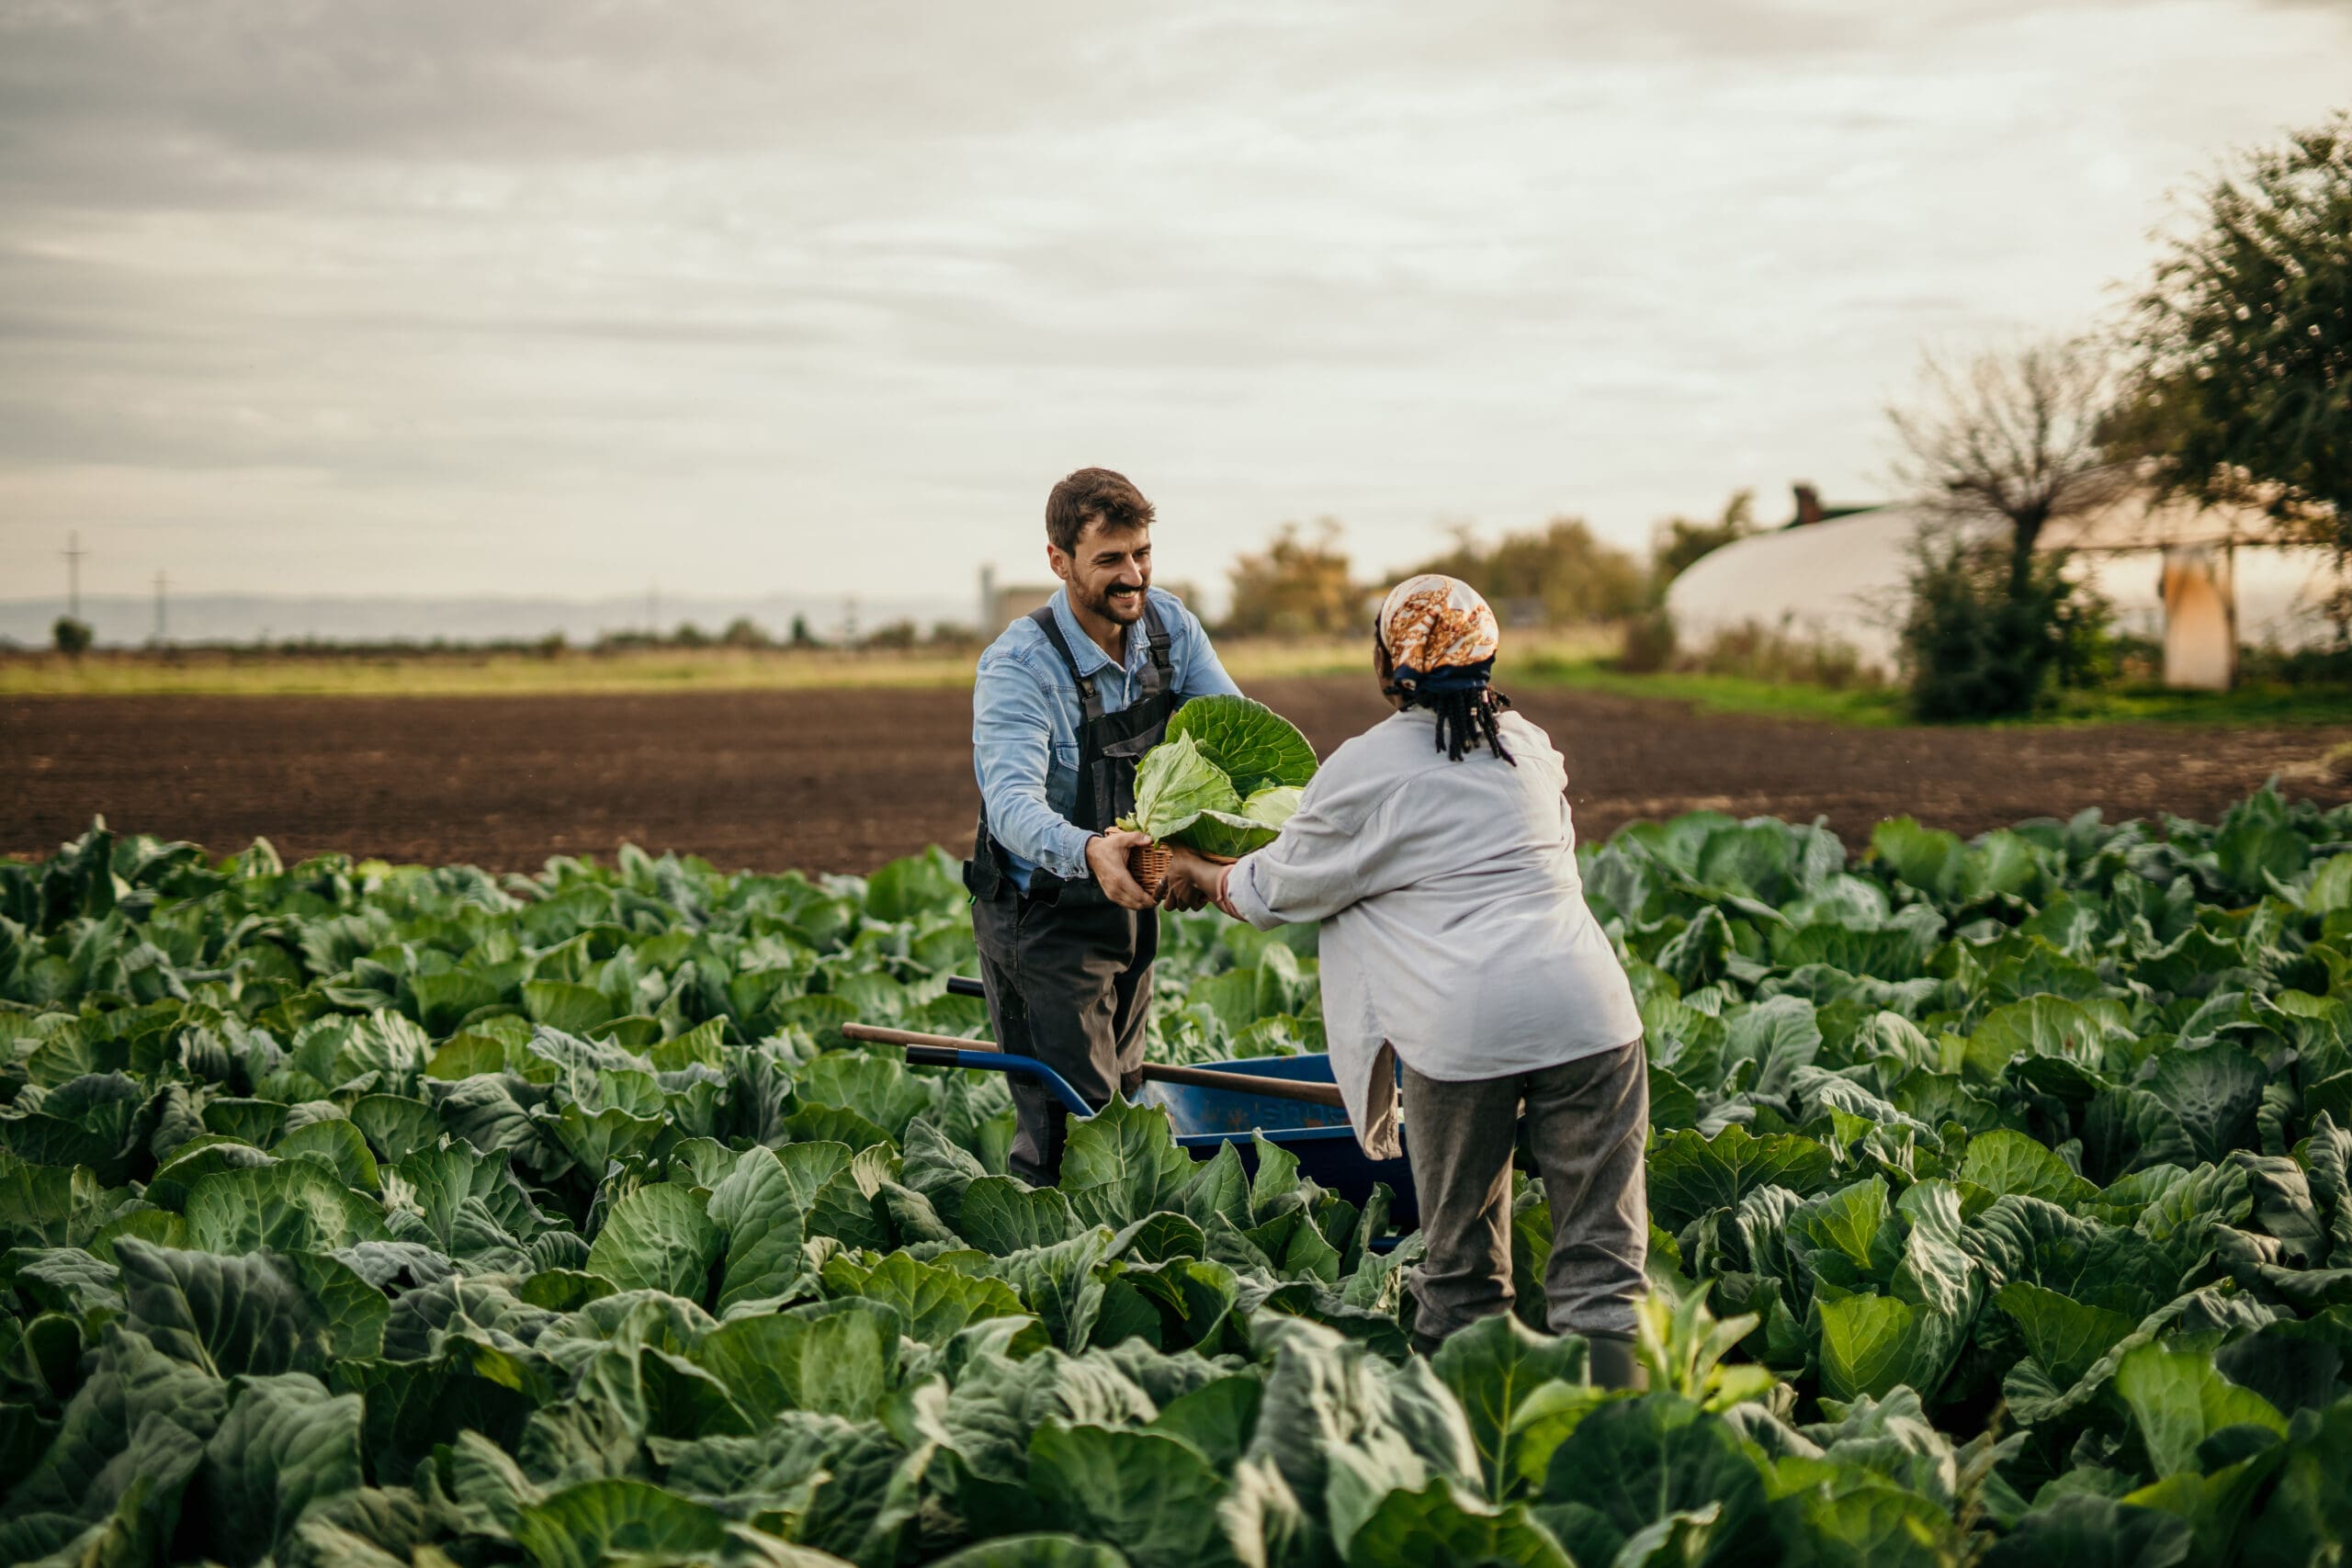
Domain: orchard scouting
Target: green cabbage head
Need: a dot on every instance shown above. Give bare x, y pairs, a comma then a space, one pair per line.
1224, 780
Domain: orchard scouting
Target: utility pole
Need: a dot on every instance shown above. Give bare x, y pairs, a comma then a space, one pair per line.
162, 585
653, 610
73, 554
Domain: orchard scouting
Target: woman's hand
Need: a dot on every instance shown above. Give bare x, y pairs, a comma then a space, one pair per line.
1178, 889
1193, 879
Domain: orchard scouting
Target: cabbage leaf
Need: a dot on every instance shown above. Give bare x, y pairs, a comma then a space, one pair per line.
1253, 745
1174, 783
1221, 782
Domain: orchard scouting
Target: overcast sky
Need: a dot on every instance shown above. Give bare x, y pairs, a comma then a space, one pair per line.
540, 295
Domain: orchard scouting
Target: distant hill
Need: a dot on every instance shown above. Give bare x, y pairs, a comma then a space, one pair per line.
121, 620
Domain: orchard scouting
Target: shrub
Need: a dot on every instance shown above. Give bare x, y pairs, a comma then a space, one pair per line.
1754, 651
73, 638
1649, 642
1783, 654
2139, 659
1978, 645
2302, 667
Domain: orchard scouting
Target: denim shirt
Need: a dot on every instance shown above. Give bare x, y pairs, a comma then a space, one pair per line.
1025, 719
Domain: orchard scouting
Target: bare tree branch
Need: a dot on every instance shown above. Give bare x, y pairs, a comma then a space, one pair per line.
2015, 439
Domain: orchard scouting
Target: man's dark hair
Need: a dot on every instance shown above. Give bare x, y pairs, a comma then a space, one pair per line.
1094, 492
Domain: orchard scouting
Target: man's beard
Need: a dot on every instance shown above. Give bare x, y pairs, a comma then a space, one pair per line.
1123, 613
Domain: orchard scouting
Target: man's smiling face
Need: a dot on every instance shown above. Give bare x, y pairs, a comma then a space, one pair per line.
1108, 571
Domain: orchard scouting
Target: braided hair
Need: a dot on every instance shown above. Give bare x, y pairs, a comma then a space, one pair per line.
1465, 719
1466, 709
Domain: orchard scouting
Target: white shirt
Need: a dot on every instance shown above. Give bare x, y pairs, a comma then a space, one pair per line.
1455, 930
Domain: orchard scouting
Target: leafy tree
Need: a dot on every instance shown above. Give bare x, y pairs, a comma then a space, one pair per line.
1563, 567
2244, 381
743, 632
1678, 542
1295, 587
72, 638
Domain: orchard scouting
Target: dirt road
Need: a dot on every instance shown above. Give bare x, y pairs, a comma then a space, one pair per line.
843, 780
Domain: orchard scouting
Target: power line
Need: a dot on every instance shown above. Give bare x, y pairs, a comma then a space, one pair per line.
73, 553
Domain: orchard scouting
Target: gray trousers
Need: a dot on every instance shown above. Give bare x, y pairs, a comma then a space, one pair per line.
1588, 1122
1070, 985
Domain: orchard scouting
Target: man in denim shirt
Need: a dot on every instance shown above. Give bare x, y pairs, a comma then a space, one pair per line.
1066, 701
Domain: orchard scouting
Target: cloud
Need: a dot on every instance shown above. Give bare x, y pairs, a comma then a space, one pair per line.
766, 282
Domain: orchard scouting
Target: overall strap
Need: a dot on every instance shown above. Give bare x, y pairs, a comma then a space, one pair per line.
1161, 674
986, 875
1090, 703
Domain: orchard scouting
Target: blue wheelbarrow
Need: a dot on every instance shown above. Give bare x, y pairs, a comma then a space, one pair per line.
1290, 1102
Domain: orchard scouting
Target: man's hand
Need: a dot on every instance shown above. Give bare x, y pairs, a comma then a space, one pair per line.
1106, 857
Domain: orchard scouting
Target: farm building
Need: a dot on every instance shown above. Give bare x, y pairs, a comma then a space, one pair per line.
2201, 581
1002, 604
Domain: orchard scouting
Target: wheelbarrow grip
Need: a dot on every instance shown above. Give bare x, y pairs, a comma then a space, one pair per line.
958, 986
1199, 1077
1248, 1083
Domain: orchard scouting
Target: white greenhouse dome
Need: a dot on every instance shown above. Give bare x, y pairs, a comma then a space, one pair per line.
2201, 582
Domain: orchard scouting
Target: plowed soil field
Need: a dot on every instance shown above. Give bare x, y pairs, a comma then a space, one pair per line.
843, 780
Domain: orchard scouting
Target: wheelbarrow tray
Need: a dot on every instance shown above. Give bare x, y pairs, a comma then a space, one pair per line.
1319, 1136
1206, 1117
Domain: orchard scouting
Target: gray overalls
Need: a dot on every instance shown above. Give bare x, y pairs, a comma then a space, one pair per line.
1068, 971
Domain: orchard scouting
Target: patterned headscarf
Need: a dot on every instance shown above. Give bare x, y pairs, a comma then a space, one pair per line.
1439, 635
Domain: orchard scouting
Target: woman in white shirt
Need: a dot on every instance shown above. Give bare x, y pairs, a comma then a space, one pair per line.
1436, 850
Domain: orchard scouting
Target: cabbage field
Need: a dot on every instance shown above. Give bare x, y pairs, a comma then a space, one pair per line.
358, 1214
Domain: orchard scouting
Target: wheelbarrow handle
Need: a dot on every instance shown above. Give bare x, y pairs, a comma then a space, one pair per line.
1199, 1077
946, 1051
914, 1039
959, 986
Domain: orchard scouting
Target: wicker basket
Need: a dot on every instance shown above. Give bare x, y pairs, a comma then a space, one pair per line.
1147, 863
